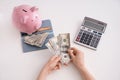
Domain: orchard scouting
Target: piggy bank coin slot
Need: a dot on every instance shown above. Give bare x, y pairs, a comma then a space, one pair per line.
24, 10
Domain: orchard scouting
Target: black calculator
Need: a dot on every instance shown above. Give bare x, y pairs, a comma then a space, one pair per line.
90, 33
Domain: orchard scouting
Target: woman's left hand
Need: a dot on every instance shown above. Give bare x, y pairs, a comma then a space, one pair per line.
52, 64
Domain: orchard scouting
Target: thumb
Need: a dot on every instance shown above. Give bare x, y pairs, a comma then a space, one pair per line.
71, 53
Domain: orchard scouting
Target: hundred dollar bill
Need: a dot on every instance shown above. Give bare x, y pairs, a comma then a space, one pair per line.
64, 44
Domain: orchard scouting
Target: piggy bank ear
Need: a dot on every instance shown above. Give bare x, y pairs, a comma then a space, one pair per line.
33, 9
24, 19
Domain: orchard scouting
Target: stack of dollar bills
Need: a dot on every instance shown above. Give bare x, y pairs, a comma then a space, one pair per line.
36, 39
59, 45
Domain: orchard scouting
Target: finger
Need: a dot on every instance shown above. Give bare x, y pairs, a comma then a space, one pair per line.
71, 53
53, 57
70, 61
59, 65
65, 64
57, 59
56, 68
74, 49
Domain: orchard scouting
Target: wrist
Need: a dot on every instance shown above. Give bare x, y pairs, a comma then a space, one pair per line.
44, 71
42, 75
80, 66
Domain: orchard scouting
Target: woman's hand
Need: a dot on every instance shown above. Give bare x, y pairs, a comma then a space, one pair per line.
77, 57
52, 64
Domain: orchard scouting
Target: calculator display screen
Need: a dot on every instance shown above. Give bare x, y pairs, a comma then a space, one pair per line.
93, 25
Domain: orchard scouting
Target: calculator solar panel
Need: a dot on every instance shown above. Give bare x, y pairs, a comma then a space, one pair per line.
90, 33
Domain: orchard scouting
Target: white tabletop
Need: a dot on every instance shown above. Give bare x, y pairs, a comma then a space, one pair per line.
66, 16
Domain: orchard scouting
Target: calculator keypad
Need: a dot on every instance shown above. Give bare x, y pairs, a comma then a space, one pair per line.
88, 38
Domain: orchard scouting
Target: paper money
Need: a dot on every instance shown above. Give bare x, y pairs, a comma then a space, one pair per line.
36, 39
40, 40
54, 43
30, 39
59, 46
64, 43
50, 47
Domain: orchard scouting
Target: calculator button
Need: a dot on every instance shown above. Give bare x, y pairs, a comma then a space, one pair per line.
85, 41
83, 27
91, 36
77, 40
87, 35
81, 30
100, 33
81, 40
84, 34
94, 31
89, 29
88, 43
80, 33
78, 37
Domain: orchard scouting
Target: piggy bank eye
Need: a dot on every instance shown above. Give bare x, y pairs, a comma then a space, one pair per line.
24, 10
32, 20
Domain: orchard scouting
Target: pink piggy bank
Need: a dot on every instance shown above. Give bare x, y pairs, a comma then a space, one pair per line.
26, 18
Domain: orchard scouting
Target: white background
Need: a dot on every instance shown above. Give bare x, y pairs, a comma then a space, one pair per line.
66, 16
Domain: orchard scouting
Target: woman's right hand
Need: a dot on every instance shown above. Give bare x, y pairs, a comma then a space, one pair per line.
77, 57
